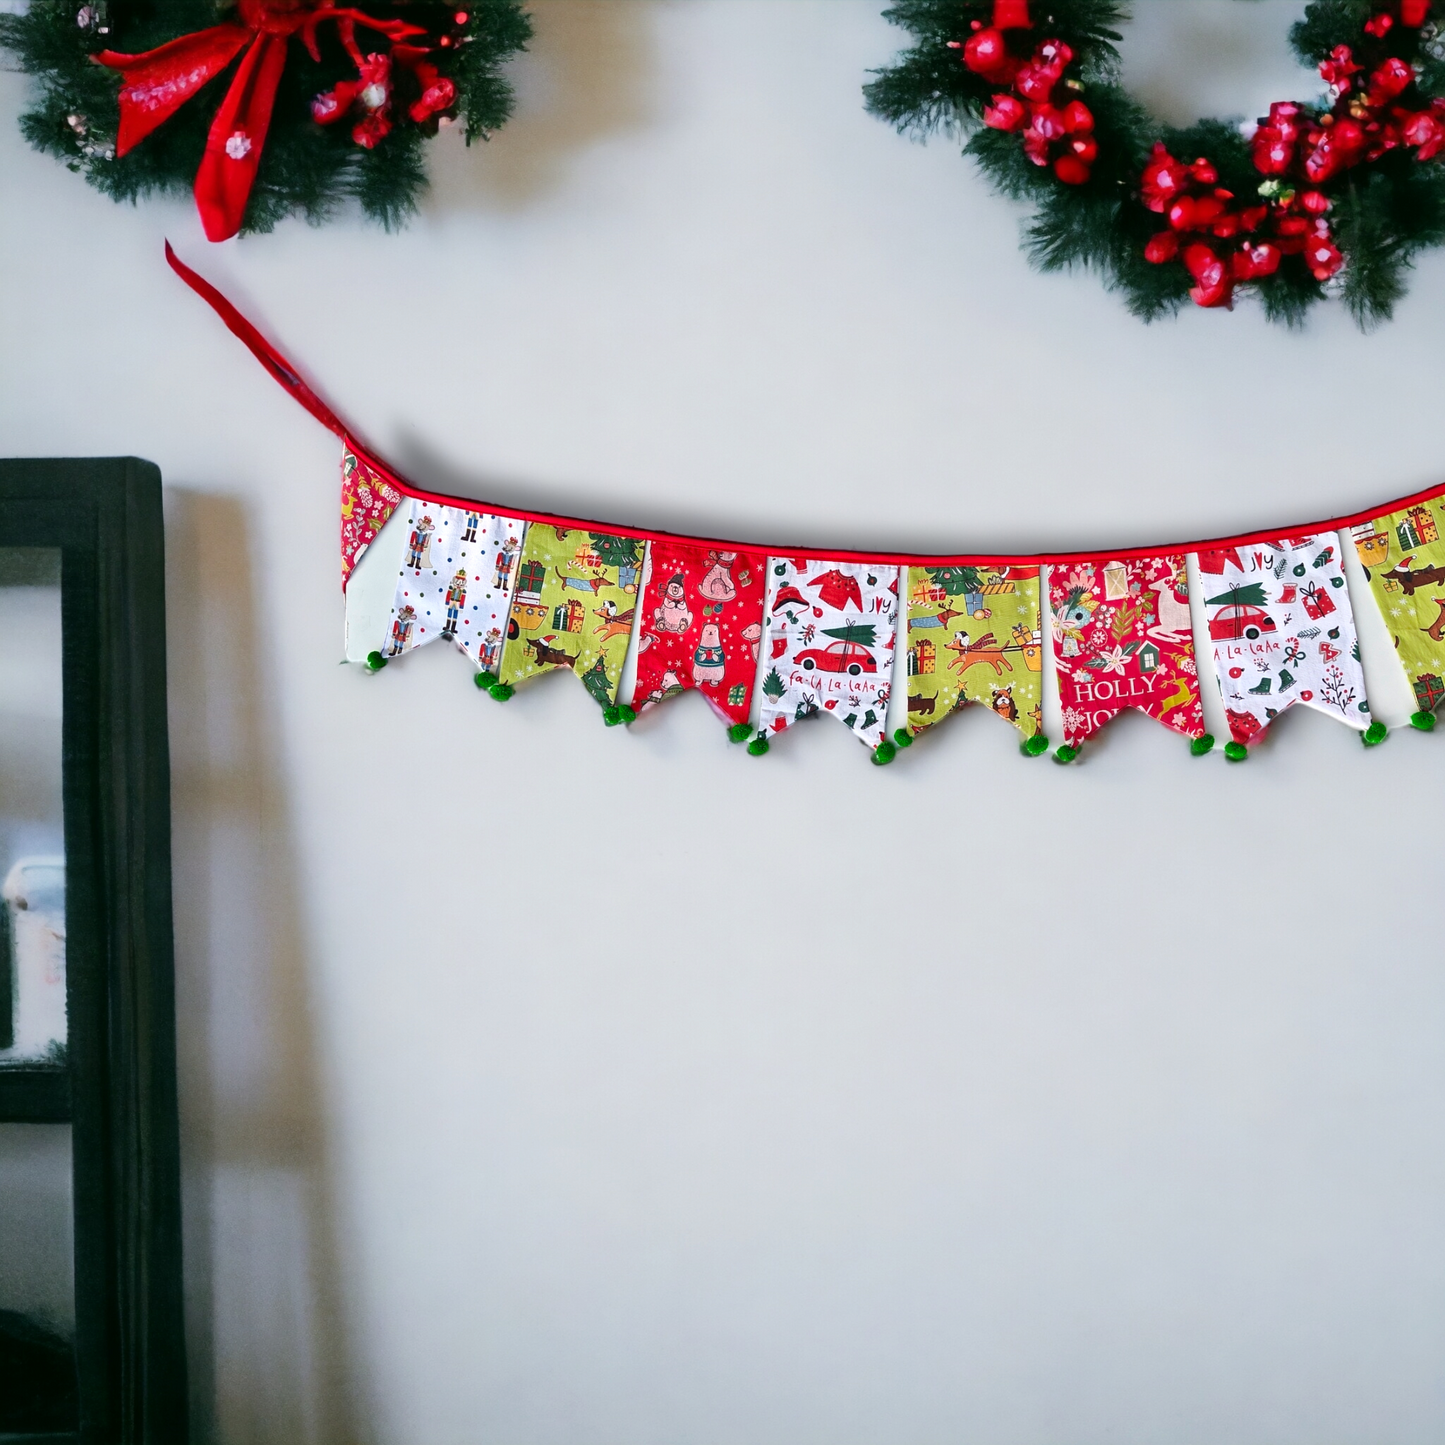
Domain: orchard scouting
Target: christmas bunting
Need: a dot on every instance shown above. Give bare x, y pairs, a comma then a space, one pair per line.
455, 581
1276, 604
974, 636
830, 644
1282, 632
574, 599
1123, 638
1404, 558
702, 625
367, 500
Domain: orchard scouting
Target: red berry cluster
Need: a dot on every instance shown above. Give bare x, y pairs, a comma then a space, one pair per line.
1057, 127
1222, 243
370, 96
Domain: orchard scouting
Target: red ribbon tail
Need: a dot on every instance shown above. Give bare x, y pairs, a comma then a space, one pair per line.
160, 81
274, 362
1011, 15
238, 133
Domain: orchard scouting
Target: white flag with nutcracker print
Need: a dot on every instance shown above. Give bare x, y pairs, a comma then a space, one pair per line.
455, 582
1282, 632
831, 628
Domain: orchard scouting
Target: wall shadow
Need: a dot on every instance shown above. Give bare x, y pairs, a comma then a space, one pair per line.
269, 1355
585, 76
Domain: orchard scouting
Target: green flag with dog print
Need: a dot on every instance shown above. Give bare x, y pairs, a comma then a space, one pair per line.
974, 635
575, 596
1403, 555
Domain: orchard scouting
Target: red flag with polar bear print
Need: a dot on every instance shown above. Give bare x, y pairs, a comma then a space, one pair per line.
1123, 637
702, 625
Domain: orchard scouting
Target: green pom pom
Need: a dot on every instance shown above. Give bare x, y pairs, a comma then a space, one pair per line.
1199, 746
1425, 721
618, 713
759, 745
884, 753
485, 680
1236, 752
628, 714
502, 691
1035, 746
1375, 734
738, 733
903, 738
1066, 753
375, 662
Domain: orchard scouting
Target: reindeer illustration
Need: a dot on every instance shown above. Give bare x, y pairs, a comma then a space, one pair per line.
1182, 694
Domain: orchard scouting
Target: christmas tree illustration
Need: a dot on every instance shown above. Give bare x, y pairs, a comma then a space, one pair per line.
596, 682
773, 685
615, 551
955, 580
1247, 594
863, 633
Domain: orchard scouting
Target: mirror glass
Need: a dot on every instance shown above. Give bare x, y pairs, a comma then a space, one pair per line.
32, 836
37, 1280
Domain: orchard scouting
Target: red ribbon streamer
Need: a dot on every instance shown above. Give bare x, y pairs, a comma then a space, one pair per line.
160, 81
287, 375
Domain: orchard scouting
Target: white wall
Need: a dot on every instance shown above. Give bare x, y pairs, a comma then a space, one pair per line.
546, 1084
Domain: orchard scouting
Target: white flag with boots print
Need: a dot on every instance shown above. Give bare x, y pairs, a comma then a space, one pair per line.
455, 582
831, 629
1282, 632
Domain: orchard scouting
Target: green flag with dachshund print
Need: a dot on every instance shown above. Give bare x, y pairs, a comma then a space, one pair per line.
974, 636
1403, 555
575, 597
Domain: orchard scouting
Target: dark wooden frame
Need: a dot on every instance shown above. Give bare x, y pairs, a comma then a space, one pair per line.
118, 1088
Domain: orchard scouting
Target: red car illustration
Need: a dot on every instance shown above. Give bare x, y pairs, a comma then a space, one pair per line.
849, 657
1229, 624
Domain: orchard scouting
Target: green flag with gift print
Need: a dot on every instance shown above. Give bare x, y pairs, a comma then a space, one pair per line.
1404, 558
974, 636
575, 597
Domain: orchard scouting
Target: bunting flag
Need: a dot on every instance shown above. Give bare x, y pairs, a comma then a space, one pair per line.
830, 644
367, 501
455, 581
1404, 558
702, 625
1282, 631
1276, 605
974, 636
1123, 637
572, 606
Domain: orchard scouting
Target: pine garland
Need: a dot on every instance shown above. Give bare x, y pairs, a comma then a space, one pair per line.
306, 168
1276, 229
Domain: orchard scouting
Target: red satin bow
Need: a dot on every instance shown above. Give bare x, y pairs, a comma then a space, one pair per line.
160, 81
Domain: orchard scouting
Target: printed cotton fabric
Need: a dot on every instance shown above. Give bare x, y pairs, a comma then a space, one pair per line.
974, 635
1404, 558
702, 626
831, 635
367, 500
573, 604
1282, 632
1123, 638
455, 581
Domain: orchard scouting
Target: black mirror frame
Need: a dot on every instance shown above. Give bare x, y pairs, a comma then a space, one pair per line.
118, 1089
